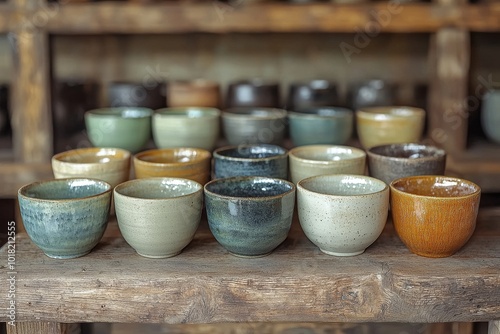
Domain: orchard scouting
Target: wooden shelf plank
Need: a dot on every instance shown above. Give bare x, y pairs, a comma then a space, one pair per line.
14, 175
205, 284
214, 17
5, 17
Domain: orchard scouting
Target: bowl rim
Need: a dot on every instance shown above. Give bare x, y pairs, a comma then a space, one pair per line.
196, 83
476, 192
271, 113
338, 113
183, 112
361, 154
116, 112
116, 190
255, 83
204, 155
218, 152
390, 112
22, 191
249, 178
58, 157
300, 185
442, 154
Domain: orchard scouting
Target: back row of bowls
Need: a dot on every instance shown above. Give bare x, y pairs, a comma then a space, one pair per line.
130, 128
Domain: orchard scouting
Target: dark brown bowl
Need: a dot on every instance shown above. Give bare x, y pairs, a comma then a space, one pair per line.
134, 94
371, 93
315, 93
253, 93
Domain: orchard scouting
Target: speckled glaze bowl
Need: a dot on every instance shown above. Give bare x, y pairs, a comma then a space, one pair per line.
187, 163
393, 161
389, 125
65, 218
108, 164
128, 128
251, 160
321, 125
245, 126
342, 214
250, 216
158, 217
186, 127
312, 160
434, 215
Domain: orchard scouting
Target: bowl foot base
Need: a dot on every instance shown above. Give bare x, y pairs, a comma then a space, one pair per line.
342, 254
249, 256
158, 256
62, 257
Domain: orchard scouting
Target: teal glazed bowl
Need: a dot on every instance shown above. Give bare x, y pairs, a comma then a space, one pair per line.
128, 128
251, 160
321, 125
65, 218
250, 216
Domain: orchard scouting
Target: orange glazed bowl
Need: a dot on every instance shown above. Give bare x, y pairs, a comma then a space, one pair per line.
434, 215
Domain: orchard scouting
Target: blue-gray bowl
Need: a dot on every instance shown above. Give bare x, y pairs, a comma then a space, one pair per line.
65, 218
250, 216
251, 160
321, 125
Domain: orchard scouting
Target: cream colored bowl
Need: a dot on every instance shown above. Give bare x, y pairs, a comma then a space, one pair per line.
389, 125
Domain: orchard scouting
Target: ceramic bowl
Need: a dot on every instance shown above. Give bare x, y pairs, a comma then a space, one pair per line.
253, 93
65, 218
371, 93
244, 126
389, 125
394, 161
250, 216
321, 125
158, 217
490, 117
342, 214
193, 93
434, 215
125, 128
187, 163
312, 160
186, 127
251, 160
136, 94
314, 93
108, 164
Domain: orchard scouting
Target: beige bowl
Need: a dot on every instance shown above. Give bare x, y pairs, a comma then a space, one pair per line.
187, 163
389, 125
107, 164
186, 127
313, 160
158, 217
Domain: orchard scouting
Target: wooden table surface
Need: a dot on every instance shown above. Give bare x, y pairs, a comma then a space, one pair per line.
205, 284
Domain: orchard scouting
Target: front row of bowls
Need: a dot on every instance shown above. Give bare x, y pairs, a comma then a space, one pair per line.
130, 128
250, 216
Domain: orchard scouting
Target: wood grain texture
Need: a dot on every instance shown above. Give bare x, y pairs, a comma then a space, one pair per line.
205, 284
216, 17
14, 175
450, 60
31, 116
43, 328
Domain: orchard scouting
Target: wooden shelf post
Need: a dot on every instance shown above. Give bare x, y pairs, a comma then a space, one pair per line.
31, 116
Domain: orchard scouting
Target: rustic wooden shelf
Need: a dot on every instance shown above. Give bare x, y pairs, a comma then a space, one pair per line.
14, 175
215, 17
5, 17
298, 283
